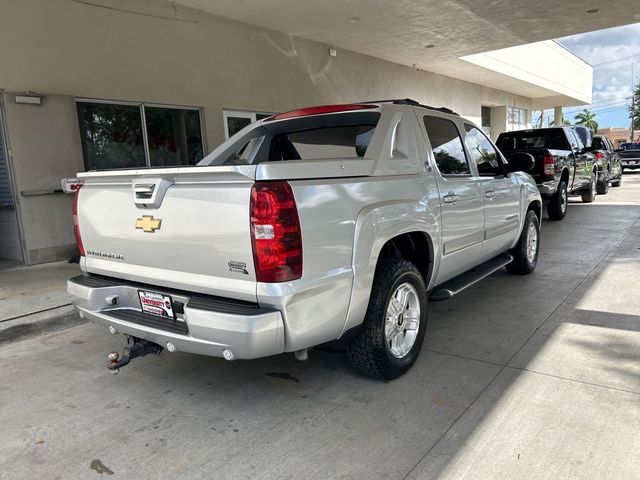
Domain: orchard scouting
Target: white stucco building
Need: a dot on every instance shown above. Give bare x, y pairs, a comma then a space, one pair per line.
115, 83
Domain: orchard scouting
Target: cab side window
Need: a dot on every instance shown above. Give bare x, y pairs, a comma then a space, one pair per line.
482, 152
447, 146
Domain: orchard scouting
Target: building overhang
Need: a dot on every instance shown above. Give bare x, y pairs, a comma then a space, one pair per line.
544, 71
500, 44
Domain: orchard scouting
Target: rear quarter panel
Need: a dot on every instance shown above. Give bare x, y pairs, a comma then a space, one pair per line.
345, 223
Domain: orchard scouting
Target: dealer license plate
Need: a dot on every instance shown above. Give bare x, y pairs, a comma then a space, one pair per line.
156, 304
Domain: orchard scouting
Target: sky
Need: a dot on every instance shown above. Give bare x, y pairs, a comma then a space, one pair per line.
607, 51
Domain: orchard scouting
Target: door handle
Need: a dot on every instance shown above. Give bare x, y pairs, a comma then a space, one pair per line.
144, 191
450, 198
489, 193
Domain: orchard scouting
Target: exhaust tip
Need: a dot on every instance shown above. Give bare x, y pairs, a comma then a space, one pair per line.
171, 347
228, 354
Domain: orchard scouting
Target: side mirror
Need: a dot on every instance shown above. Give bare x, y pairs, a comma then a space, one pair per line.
520, 162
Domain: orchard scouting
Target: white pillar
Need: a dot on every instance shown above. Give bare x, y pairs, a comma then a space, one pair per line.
557, 115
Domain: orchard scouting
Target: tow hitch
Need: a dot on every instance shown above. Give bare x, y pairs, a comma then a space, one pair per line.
136, 347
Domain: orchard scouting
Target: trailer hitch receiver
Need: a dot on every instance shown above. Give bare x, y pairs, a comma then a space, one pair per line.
136, 347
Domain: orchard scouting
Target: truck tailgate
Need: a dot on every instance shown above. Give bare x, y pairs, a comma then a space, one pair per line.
185, 228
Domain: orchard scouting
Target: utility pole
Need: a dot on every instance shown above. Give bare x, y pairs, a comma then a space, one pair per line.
633, 106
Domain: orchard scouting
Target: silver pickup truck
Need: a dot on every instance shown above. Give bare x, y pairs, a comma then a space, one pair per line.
324, 223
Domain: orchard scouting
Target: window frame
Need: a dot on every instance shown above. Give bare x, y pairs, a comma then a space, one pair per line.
143, 119
471, 173
513, 111
579, 145
501, 160
251, 115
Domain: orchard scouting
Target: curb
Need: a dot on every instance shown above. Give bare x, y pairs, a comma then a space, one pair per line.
31, 325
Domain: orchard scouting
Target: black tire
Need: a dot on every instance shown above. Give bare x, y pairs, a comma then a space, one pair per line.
369, 352
523, 263
602, 187
589, 193
557, 207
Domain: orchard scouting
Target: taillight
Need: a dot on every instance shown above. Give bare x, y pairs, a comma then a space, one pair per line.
599, 158
549, 165
275, 232
76, 227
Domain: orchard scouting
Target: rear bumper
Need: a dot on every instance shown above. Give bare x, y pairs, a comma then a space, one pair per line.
630, 162
207, 326
548, 188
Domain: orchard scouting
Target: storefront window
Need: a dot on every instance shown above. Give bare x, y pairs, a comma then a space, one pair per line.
174, 136
517, 118
235, 120
118, 135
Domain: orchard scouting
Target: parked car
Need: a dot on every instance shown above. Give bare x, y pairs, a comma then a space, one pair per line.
323, 223
629, 155
607, 164
563, 166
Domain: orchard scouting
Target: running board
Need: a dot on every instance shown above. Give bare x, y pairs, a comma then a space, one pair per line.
454, 286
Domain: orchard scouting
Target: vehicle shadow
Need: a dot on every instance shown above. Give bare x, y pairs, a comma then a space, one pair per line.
510, 369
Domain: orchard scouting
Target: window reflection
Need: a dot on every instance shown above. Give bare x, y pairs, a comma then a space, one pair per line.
447, 146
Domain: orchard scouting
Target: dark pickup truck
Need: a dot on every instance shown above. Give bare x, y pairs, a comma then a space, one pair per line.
629, 155
607, 164
563, 165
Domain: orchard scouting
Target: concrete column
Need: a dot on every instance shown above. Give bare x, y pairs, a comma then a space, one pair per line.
557, 115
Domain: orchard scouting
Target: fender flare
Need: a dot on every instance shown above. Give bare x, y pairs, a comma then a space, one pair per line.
375, 226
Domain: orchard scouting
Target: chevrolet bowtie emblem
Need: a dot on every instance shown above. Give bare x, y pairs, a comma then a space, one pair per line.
148, 224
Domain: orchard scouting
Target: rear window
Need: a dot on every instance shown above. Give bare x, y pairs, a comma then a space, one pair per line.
318, 137
630, 146
550, 139
323, 143
598, 144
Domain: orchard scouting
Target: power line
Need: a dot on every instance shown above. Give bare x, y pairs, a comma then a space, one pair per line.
601, 103
616, 60
595, 109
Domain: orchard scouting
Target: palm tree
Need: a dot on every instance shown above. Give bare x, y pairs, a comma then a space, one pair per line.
587, 119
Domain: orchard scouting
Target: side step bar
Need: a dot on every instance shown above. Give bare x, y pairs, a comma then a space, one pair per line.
454, 286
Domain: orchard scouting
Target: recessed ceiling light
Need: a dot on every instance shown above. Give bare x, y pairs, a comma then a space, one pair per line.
431, 45
592, 10
354, 19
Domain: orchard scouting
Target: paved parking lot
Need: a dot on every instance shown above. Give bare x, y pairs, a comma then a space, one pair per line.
520, 377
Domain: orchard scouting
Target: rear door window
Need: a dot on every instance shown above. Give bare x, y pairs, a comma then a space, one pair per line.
446, 144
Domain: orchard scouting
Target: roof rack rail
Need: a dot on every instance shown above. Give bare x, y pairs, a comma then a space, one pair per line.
414, 103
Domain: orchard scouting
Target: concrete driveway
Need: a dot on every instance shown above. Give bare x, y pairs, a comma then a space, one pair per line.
520, 377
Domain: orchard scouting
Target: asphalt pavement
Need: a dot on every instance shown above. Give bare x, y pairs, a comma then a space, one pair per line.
532, 377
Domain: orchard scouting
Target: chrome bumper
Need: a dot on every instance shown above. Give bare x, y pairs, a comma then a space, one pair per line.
207, 326
548, 188
630, 162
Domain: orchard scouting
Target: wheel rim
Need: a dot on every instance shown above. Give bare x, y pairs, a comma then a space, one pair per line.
593, 187
532, 243
402, 320
563, 200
